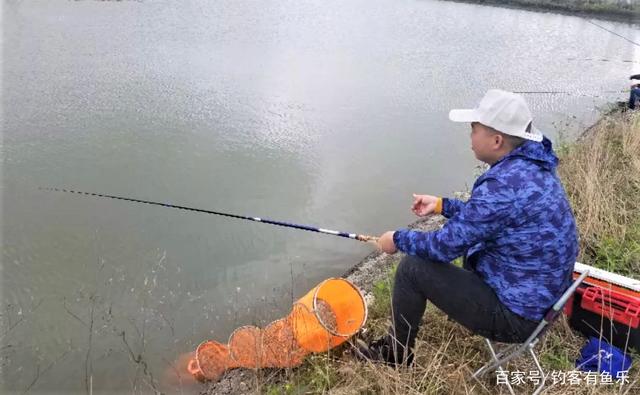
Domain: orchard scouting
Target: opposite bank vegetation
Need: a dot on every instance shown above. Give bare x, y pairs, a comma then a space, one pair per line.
614, 8
601, 174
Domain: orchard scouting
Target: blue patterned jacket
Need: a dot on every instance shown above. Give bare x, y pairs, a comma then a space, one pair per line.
517, 229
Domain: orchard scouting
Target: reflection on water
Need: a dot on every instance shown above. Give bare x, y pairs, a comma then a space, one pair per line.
328, 114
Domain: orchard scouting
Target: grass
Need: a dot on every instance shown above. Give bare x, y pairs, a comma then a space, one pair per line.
601, 173
382, 291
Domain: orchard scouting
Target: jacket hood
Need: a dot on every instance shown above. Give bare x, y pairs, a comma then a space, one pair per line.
541, 153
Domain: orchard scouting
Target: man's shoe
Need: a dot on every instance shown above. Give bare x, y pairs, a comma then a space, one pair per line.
381, 351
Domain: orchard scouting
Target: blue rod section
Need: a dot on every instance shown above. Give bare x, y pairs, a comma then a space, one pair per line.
354, 236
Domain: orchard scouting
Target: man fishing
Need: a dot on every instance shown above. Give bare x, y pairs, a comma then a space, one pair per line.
516, 234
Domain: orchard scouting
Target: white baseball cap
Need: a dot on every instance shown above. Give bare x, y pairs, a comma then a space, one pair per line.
504, 111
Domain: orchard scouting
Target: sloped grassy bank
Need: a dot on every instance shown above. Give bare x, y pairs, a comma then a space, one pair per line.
601, 173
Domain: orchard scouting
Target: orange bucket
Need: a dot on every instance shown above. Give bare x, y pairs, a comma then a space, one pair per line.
328, 315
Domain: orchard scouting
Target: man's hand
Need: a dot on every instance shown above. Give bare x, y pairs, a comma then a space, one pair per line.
385, 243
424, 205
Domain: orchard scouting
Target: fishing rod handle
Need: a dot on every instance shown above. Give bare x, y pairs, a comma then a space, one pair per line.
367, 238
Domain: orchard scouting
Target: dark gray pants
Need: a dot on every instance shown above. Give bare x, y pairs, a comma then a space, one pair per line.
460, 293
634, 96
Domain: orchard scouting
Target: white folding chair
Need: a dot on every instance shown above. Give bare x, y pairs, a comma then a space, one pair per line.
514, 350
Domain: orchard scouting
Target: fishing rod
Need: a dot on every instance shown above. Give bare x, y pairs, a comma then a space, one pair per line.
542, 92
567, 93
564, 92
364, 238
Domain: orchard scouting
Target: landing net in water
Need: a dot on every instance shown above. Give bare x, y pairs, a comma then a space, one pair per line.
324, 318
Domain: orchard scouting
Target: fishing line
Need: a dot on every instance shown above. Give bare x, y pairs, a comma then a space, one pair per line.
354, 236
612, 32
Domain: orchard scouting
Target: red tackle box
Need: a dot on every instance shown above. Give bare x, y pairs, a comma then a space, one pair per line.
599, 308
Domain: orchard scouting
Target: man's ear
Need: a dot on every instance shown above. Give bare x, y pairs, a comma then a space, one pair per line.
498, 141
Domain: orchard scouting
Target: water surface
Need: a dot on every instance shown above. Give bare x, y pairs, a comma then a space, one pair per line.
328, 114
